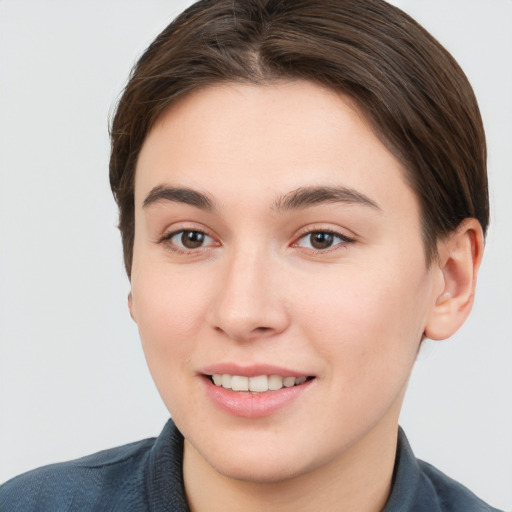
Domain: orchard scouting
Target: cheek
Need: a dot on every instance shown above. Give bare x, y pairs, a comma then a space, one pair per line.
170, 315
169, 312
368, 322
169, 301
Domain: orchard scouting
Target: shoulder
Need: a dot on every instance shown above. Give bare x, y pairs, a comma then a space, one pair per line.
420, 487
108, 480
450, 495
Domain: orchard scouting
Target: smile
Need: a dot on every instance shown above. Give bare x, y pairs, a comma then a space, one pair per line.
257, 384
256, 390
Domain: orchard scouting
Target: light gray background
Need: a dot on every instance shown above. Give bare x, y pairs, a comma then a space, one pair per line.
73, 376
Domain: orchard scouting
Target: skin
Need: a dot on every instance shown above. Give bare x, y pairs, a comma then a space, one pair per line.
257, 292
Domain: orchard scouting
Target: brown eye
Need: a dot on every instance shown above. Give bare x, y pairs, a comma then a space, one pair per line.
189, 239
192, 239
322, 240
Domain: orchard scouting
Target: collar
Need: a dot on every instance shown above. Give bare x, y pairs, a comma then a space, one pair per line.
166, 490
409, 491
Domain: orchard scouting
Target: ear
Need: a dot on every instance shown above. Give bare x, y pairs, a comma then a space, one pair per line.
130, 307
460, 255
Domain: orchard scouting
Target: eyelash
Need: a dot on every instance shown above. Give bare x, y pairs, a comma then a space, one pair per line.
167, 240
344, 240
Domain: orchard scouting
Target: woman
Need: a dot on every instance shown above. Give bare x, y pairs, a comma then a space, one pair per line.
303, 199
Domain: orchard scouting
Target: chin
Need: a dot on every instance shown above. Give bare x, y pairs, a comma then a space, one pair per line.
260, 460
264, 471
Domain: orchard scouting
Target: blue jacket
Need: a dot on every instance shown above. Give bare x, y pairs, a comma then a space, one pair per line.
146, 476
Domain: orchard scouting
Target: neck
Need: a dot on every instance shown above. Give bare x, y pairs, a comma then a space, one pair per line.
360, 479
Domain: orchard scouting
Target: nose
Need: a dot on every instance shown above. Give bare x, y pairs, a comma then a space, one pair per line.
250, 302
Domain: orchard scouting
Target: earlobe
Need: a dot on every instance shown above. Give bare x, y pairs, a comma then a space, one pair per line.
130, 307
460, 255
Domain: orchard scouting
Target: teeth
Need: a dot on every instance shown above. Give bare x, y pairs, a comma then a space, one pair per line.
275, 382
258, 384
226, 381
288, 382
239, 383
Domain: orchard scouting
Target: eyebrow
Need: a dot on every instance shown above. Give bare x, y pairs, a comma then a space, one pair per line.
178, 195
298, 199
305, 197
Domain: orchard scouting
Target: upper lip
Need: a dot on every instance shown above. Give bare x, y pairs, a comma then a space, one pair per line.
250, 370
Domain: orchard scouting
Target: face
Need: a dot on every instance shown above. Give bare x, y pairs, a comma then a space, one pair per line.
279, 280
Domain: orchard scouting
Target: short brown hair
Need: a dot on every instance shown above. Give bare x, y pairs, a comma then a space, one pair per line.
411, 90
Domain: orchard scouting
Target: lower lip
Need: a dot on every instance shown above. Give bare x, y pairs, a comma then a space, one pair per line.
253, 405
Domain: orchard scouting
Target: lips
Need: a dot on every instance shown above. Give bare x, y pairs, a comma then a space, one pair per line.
255, 391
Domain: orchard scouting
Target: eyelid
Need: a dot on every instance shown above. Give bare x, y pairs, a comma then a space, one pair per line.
184, 225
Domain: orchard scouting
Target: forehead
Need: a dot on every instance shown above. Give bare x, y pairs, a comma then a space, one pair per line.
266, 140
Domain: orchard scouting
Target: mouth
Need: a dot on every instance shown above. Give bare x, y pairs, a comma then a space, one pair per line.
256, 390
258, 383
256, 396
